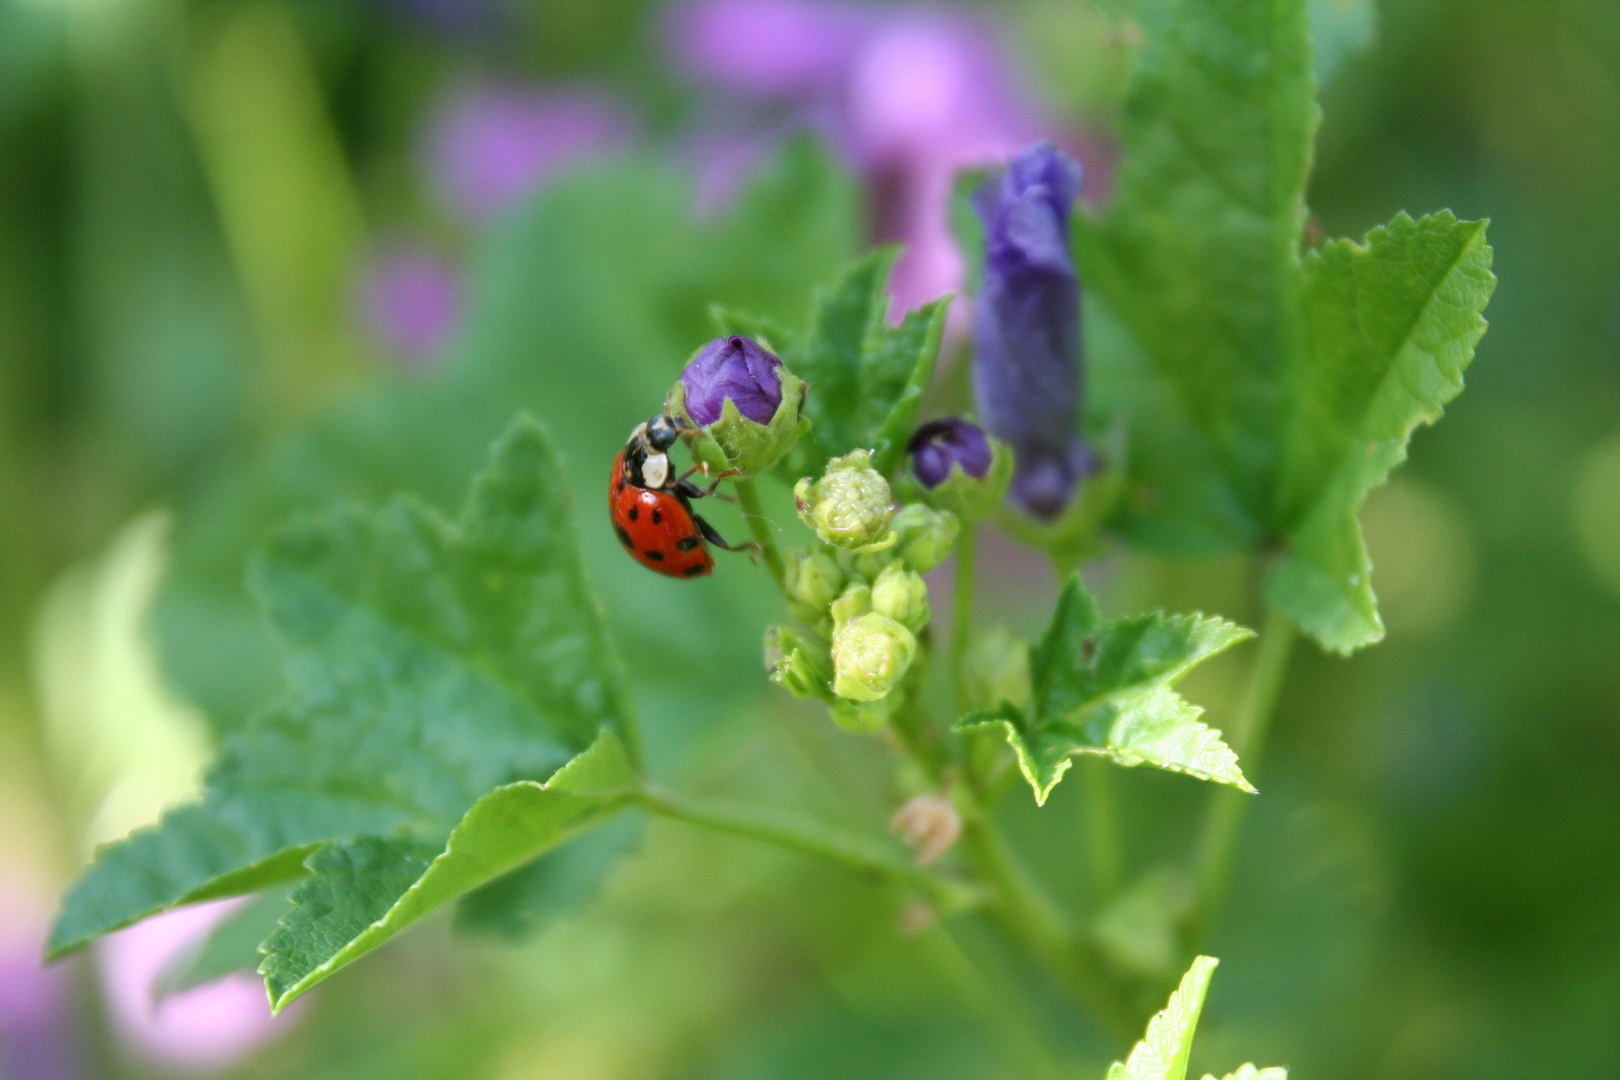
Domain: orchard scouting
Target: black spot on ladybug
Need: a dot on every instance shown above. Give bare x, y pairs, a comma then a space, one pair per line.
656, 556
658, 519
695, 570
620, 489
624, 537
686, 543
635, 513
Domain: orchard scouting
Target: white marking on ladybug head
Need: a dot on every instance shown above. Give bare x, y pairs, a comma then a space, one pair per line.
655, 470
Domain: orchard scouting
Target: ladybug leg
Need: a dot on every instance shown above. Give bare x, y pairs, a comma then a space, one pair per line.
719, 541
692, 491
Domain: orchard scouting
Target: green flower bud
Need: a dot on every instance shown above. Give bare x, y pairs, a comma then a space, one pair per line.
865, 717
798, 663
953, 465
870, 655
851, 506
902, 595
925, 536
812, 579
746, 407
996, 669
852, 603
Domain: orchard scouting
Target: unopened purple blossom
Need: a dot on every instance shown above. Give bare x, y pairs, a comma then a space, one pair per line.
493, 145
1027, 366
412, 301
940, 445
737, 368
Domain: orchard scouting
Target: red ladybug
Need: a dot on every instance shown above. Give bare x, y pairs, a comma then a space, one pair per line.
651, 507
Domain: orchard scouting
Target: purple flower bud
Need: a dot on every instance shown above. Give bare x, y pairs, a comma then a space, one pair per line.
941, 444
1027, 367
732, 367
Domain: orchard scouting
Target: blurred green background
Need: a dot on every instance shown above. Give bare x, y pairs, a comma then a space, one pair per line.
240, 274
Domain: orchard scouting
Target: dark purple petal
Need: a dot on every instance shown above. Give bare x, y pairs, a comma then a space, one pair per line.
941, 444
732, 367
1027, 365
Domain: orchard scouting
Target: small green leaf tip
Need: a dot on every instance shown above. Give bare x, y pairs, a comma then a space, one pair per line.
1250, 1072
1105, 688
1162, 1054
851, 506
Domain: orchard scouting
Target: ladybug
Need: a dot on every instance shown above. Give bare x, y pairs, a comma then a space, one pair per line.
651, 507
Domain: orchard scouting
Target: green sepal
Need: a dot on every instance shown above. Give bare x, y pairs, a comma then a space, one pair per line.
799, 663
737, 445
1076, 535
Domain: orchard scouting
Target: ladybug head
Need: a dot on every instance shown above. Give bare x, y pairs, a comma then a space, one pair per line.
662, 431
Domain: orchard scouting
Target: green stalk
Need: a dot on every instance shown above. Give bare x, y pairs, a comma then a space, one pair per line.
1102, 826
759, 526
1247, 738
962, 616
865, 854
999, 1003
1033, 922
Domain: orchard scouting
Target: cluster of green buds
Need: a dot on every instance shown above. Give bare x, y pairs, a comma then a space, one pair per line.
861, 592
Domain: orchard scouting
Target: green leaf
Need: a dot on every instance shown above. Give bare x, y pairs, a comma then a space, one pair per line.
1390, 325
430, 662
866, 378
1198, 253
231, 946
1162, 1053
1104, 688
1281, 387
582, 308
365, 890
1250, 1072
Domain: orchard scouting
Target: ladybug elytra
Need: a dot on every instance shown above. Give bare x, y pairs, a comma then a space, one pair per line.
651, 507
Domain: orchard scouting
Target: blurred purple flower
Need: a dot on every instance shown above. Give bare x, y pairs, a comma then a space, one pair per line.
202, 1029
772, 48
1026, 321
732, 367
38, 1039
412, 300
492, 145
911, 96
940, 445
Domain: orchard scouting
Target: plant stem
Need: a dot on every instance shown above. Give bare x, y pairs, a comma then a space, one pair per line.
1102, 826
1247, 737
812, 837
998, 1003
1035, 924
962, 614
760, 527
